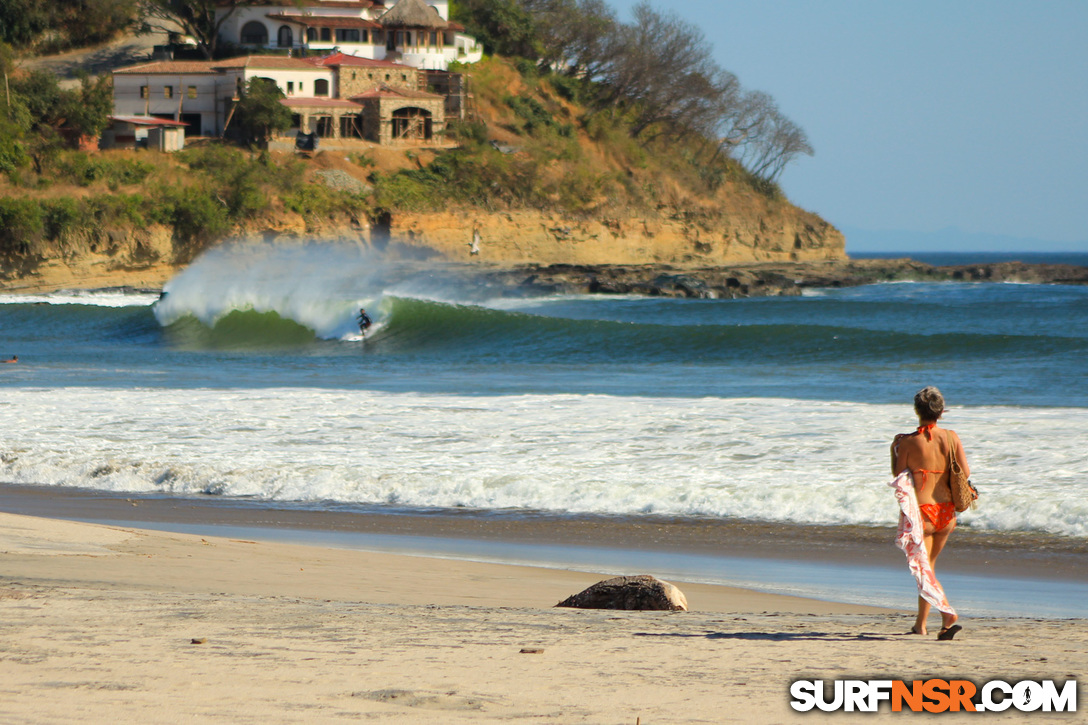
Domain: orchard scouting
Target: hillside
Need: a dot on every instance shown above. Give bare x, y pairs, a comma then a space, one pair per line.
540, 179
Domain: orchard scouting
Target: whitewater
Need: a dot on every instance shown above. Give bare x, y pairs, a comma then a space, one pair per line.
248, 379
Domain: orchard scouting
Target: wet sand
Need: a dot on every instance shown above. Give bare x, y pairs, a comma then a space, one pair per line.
106, 623
973, 552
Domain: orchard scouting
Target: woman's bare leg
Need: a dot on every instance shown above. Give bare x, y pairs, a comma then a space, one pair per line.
935, 541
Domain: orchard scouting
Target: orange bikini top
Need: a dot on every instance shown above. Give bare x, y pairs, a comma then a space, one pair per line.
927, 431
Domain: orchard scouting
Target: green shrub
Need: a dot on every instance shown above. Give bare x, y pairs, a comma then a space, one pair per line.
123, 209
62, 215
21, 224
534, 115
317, 201
82, 169
474, 132
362, 159
197, 215
567, 87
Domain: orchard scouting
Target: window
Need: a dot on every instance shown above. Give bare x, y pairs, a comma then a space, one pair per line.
286, 37
254, 33
167, 91
192, 92
434, 39
144, 92
311, 34
326, 35
347, 35
353, 75
300, 88
321, 87
365, 36
290, 87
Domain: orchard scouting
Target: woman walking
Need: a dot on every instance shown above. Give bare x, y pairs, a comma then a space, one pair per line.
924, 455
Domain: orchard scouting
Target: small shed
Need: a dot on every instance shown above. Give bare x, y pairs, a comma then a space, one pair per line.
162, 134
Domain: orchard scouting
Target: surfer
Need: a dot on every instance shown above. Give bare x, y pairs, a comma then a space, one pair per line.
364, 321
14, 359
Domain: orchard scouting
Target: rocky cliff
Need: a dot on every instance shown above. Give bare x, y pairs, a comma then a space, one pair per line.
780, 234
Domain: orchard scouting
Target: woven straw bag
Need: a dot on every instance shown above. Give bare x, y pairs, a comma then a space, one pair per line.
964, 494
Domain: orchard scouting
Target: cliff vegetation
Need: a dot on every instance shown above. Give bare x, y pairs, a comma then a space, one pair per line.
553, 165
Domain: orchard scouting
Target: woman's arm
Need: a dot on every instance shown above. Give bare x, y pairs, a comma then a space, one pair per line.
898, 460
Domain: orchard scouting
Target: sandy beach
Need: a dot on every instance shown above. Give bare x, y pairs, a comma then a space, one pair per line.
100, 623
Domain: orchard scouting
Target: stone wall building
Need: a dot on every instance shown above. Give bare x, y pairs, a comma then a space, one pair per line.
335, 96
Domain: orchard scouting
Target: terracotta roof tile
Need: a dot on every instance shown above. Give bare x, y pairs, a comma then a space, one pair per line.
172, 67
339, 59
265, 62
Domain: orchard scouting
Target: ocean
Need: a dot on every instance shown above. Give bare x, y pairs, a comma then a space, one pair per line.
249, 380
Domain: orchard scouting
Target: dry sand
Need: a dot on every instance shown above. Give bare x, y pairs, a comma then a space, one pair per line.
101, 623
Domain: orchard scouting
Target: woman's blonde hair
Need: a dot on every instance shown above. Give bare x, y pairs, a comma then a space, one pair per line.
929, 403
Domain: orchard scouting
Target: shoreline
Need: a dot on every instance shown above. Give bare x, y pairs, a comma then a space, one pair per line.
116, 622
986, 572
727, 281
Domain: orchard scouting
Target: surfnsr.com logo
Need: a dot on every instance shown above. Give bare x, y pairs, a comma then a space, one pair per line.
934, 695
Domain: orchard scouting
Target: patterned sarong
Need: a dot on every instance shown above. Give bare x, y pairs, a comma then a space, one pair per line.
910, 538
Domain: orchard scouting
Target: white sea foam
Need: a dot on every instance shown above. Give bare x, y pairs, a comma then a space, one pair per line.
771, 459
94, 298
320, 286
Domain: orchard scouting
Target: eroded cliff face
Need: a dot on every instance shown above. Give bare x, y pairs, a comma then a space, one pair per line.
531, 237
147, 258
123, 257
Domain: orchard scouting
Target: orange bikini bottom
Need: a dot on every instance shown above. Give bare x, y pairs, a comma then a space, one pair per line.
939, 514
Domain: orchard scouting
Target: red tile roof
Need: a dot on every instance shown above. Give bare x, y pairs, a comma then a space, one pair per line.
265, 62
338, 59
171, 67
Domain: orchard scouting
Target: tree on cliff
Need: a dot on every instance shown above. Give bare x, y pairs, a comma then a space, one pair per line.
503, 26
37, 111
658, 72
259, 112
196, 18
53, 25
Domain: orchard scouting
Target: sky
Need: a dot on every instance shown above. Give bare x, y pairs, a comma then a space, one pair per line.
962, 122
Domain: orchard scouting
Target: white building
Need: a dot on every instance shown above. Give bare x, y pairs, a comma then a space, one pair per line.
413, 32
336, 96
200, 93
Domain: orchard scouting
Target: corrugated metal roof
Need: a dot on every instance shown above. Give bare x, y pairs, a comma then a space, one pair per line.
147, 121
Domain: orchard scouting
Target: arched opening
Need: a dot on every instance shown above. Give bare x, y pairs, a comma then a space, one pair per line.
254, 33
321, 87
411, 123
286, 37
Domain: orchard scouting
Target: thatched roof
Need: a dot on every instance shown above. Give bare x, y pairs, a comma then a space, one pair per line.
412, 14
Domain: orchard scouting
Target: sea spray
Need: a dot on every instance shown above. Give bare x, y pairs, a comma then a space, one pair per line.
320, 286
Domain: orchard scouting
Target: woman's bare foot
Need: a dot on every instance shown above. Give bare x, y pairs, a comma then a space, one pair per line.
949, 627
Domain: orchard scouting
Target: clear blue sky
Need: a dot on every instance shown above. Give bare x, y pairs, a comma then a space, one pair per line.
924, 115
